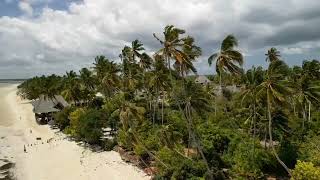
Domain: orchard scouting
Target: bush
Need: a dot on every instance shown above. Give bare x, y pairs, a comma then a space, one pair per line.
74, 117
248, 163
109, 144
125, 139
90, 126
309, 150
174, 166
305, 171
62, 118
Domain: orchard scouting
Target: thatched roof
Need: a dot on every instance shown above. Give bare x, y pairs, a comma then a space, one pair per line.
46, 105
202, 80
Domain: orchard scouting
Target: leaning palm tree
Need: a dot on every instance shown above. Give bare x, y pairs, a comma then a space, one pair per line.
159, 82
228, 59
191, 98
185, 64
307, 92
136, 47
107, 75
273, 55
274, 90
172, 45
253, 79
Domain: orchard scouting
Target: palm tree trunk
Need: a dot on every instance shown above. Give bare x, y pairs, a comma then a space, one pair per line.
270, 137
154, 113
162, 112
191, 133
254, 125
309, 114
304, 114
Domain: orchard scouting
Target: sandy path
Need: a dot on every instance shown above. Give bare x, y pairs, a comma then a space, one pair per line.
58, 160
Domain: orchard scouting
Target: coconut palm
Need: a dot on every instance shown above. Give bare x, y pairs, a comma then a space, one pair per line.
228, 59
71, 88
191, 98
172, 44
191, 51
253, 79
274, 90
307, 92
159, 82
273, 55
107, 75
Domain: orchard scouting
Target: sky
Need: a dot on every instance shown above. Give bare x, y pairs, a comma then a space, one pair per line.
54, 36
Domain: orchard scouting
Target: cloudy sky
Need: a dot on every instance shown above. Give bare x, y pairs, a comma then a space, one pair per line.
53, 36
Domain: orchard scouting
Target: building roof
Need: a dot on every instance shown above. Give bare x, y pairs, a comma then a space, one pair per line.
46, 105
202, 80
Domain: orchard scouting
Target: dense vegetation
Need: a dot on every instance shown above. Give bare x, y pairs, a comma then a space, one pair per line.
269, 125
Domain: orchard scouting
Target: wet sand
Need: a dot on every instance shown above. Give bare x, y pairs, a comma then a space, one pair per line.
53, 157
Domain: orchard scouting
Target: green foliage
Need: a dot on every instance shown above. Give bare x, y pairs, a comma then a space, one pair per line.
62, 118
310, 150
90, 126
74, 128
159, 112
249, 162
175, 166
305, 171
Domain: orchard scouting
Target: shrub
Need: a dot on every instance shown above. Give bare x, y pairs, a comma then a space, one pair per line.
90, 126
172, 165
305, 171
74, 117
309, 150
62, 118
250, 163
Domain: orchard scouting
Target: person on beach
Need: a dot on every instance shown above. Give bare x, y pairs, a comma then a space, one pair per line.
24, 149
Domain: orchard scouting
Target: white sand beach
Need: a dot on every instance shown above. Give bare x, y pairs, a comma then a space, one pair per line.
59, 159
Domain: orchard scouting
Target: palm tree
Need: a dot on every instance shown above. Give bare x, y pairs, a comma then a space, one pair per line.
172, 45
87, 84
136, 47
71, 88
307, 92
191, 52
192, 99
274, 90
107, 75
273, 55
228, 58
253, 78
159, 81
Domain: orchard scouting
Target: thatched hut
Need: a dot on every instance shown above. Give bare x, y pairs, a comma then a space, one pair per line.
45, 107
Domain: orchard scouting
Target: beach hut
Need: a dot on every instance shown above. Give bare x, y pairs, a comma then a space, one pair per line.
202, 80
45, 107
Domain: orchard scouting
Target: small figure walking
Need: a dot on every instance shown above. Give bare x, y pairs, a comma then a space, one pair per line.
24, 149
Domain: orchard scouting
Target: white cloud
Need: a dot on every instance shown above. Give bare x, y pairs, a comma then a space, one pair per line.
26, 8
55, 41
293, 50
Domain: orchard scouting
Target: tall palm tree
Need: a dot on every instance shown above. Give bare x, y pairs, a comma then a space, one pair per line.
159, 82
228, 59
172, 45
273, 55
274, 90
192, 99
191, 52
136, 47
307, 92
253, 78
107, 75
71, 88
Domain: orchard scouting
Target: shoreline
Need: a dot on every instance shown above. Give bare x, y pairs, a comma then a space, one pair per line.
54, 156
